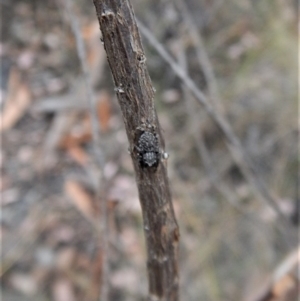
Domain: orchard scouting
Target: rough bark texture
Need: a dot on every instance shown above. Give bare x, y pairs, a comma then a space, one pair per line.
135, 94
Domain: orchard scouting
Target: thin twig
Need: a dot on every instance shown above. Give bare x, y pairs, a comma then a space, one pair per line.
206, 158
135, 94
287, 269
233, 143
99, 156
202, 55
69, 101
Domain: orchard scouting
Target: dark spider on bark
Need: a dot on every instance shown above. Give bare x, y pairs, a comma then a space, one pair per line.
148, 150
149, 154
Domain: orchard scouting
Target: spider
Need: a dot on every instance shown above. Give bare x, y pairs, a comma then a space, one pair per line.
148, 149
149, 154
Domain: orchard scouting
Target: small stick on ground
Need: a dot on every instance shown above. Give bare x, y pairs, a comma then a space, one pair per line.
135, 95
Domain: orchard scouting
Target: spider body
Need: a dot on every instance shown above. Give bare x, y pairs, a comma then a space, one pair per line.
148, 149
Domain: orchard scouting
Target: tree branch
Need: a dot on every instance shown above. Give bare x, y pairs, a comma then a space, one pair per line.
135, 95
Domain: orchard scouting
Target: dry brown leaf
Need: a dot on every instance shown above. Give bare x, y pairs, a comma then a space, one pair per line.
284, 286
90, 34
79, 133
92, 56
103, 109
71, 140
90, 31
80, 197
17, 102
79, 155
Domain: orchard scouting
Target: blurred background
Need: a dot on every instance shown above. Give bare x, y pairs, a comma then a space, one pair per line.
243, 56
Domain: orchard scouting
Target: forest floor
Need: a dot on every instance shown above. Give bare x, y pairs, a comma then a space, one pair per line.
233, 246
